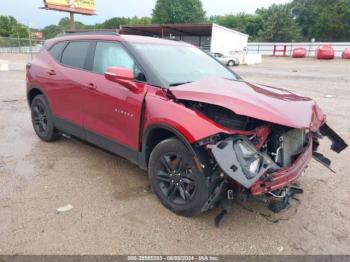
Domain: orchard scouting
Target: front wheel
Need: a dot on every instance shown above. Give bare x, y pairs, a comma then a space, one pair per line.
175, 178
231, 63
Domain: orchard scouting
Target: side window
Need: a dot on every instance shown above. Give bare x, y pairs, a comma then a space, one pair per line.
75, 54
111, 54
56, 50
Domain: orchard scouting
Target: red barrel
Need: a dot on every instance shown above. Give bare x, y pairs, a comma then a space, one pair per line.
299, 52
325, 52
346, 54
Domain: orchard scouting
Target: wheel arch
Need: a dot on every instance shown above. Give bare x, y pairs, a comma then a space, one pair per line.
231, 61
155, 134
33, 92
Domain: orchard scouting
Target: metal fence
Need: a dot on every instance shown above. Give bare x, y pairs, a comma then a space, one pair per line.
268, 48
20, 45
31, 46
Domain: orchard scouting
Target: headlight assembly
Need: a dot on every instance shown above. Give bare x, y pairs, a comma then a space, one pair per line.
239, 159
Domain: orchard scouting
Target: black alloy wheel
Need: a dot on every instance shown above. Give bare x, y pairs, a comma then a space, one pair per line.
40, 118
175, 179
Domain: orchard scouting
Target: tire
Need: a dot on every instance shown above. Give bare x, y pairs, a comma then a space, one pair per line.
42, 119
175, 179
231, 63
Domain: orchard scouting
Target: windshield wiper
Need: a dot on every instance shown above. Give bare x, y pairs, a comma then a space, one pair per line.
180, 83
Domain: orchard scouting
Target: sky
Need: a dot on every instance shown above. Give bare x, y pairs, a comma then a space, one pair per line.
28, 12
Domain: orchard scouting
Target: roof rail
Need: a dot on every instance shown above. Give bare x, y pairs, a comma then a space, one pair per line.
97, 32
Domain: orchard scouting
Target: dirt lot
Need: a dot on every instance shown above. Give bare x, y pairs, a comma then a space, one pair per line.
114, 211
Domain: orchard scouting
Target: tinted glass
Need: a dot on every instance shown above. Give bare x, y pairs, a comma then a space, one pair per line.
110, 54
181, 64
75, 54
56, 50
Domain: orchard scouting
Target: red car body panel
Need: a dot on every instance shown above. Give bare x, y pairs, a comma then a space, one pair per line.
57, 81
257, 101
123, 115
164, 111
112, 110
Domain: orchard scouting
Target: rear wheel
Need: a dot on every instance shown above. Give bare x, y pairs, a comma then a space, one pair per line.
175, 178
42, 119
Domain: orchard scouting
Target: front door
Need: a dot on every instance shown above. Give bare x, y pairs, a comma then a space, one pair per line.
113, 112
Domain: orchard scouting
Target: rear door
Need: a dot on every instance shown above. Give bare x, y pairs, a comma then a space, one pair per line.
112, 111
70, 87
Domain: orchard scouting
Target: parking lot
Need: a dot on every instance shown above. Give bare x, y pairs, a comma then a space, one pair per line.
114, 211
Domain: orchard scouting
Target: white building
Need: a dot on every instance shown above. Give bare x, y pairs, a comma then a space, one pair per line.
209, 37
227, 41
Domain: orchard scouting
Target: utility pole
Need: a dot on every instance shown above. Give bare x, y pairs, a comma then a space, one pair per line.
83, 7
30, 42
18, 41
72, 23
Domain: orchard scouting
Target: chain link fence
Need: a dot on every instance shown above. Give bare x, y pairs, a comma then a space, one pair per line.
10, 45
16, 52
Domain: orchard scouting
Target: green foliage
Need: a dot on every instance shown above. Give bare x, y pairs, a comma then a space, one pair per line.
9, 27
324, 20
278, 25
140, 20
113, 23
245, 23
179, 11
52, 31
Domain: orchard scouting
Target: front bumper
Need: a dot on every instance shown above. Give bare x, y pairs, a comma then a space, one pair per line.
285, 176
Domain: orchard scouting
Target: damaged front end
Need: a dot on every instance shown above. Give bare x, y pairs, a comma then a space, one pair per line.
255, 158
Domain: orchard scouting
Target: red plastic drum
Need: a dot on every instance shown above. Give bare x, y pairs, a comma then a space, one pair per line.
325, 52
299, 52
346, 54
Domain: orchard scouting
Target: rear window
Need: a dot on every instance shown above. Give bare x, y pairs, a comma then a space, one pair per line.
56, 50
75, 54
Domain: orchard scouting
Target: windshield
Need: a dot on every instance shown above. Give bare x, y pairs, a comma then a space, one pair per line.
178, 65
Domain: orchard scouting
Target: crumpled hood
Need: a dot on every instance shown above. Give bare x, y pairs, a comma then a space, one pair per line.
257, 101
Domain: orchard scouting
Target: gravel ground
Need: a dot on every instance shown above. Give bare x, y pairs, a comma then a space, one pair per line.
114, 211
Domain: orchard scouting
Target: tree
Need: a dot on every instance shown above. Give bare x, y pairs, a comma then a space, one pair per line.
51, 31
9, 27
6, 25
113, 23
333, 23
278, 24
324, 20
179, 11
245, 23
140, 20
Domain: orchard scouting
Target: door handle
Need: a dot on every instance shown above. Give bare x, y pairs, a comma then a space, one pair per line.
91, 86
51, 72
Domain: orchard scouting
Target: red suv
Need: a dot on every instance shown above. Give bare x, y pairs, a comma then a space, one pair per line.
204, 134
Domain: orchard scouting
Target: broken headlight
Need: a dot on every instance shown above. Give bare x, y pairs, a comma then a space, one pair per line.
239, 159
249, 159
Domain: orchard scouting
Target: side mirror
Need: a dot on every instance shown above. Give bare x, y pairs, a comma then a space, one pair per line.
122, 76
